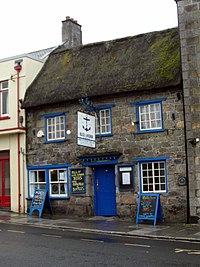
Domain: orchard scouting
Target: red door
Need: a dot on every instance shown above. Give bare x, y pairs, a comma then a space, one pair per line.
4, 180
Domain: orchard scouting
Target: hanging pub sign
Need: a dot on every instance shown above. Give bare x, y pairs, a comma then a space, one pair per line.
149, 208
125, 177
40, 200
86, 130
77, 180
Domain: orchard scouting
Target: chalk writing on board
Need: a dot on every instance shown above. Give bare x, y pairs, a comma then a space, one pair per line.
147, 206
78, 180
38, 198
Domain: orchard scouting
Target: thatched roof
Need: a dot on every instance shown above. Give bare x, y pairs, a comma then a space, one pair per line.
141, 62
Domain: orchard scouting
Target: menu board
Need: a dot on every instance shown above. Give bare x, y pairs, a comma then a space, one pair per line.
78, 181
149, 207
39, 200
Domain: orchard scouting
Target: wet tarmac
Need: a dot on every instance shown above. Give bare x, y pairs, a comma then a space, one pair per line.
108, 225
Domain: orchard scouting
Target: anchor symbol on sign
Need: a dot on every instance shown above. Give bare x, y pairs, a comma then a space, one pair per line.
86, 124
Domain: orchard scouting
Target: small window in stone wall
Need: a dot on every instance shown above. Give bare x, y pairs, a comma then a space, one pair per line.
149, 115
125, 174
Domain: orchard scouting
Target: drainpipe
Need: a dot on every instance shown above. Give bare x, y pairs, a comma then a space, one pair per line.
18, 68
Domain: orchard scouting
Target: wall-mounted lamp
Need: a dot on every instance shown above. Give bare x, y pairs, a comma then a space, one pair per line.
40, 134
194, 141
134, 123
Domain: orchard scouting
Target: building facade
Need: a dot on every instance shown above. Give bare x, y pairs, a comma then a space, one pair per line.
142, 92
132, 88
16, 74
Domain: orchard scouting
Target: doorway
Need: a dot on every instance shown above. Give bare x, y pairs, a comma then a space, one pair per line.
4, 179
104, 190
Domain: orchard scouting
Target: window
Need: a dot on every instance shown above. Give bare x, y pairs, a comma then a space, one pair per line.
37, 180
55, 127
153, 177
103, 122
4, 98
53, 178
149, 115
58, 182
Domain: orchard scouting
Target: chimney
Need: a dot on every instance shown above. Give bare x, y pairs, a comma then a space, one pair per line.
71, 33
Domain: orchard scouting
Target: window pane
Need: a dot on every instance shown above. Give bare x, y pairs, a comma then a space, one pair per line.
4, 85
63, 189
54, 189
5, 102
33, 176
41, 177
56, 128
53, 175
62, 175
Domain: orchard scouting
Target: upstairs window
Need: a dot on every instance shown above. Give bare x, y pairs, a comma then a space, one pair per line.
103, 122
55, 127
149, 115
4, 98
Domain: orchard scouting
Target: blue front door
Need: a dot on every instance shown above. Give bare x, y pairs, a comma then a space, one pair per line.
104, 190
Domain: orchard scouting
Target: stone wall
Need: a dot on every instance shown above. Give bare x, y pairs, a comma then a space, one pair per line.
189, 27
125, 140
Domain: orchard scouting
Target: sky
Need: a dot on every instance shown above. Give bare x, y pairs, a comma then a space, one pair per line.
28, 25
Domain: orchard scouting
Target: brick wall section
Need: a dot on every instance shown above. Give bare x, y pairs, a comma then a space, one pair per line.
125, 140
189, 26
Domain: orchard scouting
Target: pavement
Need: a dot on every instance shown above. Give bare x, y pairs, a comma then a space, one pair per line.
107, 225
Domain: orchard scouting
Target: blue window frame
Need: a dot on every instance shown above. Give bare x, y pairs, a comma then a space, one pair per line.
53, 178
150, 116
104, 121
103, 124
153, 175
55, 125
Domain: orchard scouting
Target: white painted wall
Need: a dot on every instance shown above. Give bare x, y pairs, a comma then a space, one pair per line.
9, 127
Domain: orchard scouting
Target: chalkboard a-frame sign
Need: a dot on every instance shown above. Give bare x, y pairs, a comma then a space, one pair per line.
39, 201
149, 208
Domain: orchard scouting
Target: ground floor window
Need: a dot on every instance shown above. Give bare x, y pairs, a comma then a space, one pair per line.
37, 180
53, 178
58, 182
153, 175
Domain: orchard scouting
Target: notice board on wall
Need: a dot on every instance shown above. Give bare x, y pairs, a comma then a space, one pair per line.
78, 181
40, 200
149, 208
